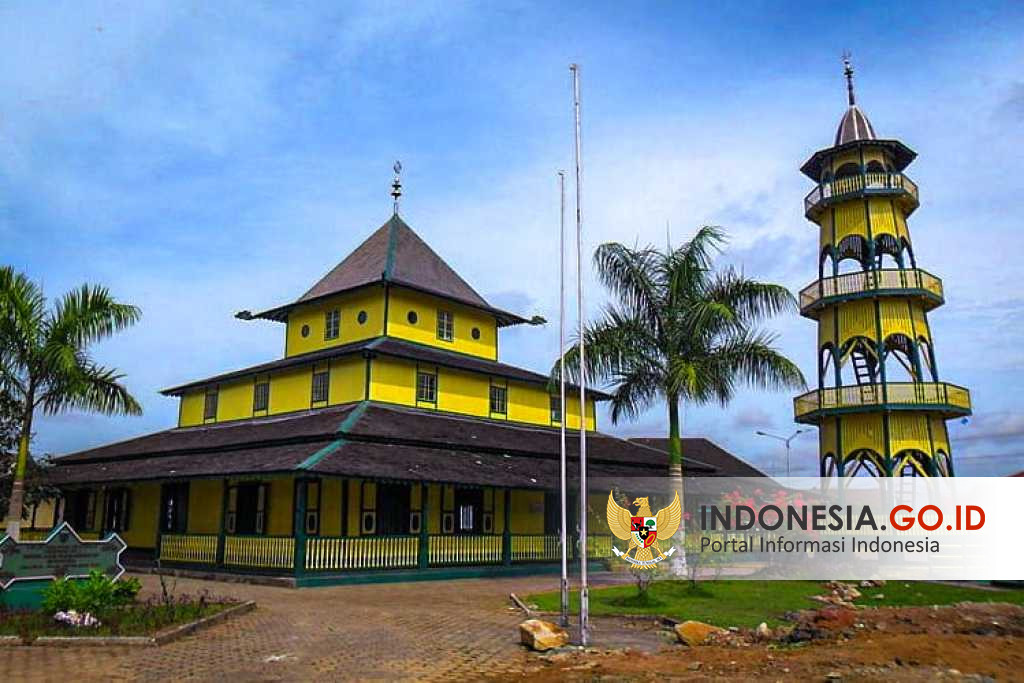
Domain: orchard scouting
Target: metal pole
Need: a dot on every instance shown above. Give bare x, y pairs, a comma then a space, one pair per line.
784, 440
584, 590
562, 476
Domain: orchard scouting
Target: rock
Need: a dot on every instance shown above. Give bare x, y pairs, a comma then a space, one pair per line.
833, 676
694, 633
879, 596
763, 632
694, 666
542, 635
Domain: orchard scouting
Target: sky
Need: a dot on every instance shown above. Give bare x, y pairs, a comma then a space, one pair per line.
203, 158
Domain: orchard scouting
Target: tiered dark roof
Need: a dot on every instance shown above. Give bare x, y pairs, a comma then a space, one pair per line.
364, 440
725, 463
384, 346
394, 253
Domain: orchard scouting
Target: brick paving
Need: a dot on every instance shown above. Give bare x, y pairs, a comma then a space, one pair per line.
432, 630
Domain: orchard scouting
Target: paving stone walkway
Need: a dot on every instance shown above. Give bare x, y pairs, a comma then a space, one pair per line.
433, 630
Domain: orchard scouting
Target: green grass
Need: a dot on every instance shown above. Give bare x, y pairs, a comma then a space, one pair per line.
748, 603
139, 619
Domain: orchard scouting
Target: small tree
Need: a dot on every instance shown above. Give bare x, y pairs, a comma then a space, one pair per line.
680, 332
45, 365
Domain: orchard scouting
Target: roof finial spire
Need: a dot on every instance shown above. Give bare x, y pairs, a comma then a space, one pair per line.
848, 72
396, 186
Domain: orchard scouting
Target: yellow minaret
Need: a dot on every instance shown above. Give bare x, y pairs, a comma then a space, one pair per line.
880, 406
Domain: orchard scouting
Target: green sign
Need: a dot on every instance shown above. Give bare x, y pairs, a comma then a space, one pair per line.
62, 554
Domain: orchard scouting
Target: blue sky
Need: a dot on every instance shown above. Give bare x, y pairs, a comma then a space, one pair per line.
201, 159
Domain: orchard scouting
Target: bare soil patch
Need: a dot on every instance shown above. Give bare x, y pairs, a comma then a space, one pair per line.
967, 641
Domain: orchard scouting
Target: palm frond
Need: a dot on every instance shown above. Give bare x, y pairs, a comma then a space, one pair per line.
89, 314
634, 392
750, 299
22, 314
752, 358
631, 275
93, 388
614, 345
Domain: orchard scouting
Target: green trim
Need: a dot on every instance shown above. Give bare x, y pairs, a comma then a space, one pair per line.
312, 460
353, 417
366, 380
909, 292
389, 265
948, 410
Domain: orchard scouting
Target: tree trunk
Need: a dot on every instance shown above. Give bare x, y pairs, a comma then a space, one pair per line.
675, 475
16, 502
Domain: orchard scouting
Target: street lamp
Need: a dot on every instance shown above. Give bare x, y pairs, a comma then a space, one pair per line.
785, 441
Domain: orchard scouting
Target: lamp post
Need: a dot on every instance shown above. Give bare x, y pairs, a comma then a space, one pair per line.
784, 440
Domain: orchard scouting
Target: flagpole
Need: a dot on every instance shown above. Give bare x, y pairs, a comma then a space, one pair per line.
584, 589
562, 476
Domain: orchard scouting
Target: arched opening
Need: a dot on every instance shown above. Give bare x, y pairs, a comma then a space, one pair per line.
926, 354
905, 248
861, 354
943, 463
874, 167
864, 463
911, 463
851, 248
888, 246
828, 371
826, 265
828, 465
826, 176
899, 356
848, 169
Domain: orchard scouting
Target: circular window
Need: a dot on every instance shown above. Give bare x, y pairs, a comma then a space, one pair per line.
412, 317
361, 317
305, 330
475, 332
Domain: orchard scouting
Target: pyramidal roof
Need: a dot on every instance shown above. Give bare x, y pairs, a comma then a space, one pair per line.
395, 253
854, 126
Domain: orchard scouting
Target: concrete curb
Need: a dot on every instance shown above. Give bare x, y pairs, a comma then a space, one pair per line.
163, 637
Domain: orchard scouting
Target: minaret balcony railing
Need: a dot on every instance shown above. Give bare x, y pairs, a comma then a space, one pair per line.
949, 399
875, 183
909, 282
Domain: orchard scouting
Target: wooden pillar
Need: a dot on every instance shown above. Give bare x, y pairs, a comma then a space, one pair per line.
299, 526
506, 531
222, 533
424, 548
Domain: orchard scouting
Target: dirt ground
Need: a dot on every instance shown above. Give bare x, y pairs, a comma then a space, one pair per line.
962, 642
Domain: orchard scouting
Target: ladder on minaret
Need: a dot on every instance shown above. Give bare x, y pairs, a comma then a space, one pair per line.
864, 367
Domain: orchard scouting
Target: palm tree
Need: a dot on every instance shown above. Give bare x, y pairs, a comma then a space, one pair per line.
681, 332
45, 365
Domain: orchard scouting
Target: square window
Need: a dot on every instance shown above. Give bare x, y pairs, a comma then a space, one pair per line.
499, 399
332, 324
210, 406
321, 381
426, 387
445, 326
556, 409
261, 396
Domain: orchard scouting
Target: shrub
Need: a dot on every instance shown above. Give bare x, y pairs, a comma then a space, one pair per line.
95, 595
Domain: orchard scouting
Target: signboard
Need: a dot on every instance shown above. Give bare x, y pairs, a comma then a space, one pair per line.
62, 554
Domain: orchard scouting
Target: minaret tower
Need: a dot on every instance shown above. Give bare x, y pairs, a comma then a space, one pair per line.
880, 406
